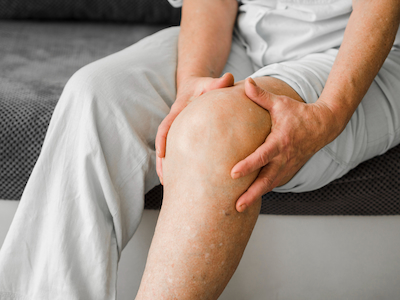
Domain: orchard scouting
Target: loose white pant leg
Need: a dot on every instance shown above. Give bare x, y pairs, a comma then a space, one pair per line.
85, 196
84, 199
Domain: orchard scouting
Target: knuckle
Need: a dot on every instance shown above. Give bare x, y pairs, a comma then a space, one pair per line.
280, 103
261, 158
267, 182
262, 93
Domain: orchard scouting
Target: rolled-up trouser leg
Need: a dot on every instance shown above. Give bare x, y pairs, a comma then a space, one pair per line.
85, 196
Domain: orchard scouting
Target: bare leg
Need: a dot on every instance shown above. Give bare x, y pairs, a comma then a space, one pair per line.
200, 237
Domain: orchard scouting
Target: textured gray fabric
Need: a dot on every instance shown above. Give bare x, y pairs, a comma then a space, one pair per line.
373, 188
37, 59
143, 11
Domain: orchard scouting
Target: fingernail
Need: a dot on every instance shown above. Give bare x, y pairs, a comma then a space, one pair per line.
237, 175
252, 81
242, 207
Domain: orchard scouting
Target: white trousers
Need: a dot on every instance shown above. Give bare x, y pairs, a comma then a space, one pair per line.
85, 197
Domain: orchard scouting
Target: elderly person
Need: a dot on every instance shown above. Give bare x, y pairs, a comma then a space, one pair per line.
310, 89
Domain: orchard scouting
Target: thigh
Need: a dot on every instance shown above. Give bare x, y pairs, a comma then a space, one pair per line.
127, 95
137, 81
140, 81
373, 129
133, 90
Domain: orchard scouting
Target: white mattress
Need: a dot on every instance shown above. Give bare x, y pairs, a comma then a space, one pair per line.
290, 257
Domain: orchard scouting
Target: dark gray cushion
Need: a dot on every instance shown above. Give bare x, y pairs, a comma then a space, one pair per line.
143, 11
37, 59
373, 188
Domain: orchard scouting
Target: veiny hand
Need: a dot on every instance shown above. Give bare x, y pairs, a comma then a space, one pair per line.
190, 89
298, 131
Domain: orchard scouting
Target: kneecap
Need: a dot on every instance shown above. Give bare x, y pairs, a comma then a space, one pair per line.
213, 133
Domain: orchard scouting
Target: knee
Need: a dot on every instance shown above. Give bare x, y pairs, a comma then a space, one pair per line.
212, 134
85, 103
84, 85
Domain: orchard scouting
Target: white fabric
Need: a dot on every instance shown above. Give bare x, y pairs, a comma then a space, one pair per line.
85, 197
280, 30
373, 129
276, 31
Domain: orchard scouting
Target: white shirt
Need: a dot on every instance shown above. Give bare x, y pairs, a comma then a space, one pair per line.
280, 30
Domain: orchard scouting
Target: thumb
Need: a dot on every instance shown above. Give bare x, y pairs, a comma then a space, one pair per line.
260, 96
226, 80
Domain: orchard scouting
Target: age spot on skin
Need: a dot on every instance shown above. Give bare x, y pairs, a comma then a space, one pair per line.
226, 213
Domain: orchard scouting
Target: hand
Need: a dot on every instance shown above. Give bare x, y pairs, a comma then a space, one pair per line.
188, 90
298, 131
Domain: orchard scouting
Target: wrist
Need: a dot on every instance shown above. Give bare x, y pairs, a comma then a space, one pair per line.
187, 83
183, 79
334, 119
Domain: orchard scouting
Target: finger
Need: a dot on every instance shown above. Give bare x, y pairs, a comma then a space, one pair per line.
258, 159
159, 169
262, 185
260, 96
226, 80
161, 137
